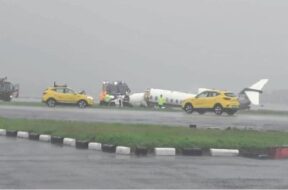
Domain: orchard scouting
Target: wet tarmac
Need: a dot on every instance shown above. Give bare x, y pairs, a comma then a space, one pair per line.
31, 164
257, 121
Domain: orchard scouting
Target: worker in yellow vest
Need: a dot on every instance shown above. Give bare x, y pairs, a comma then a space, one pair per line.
161, 101
107, 98
102, 96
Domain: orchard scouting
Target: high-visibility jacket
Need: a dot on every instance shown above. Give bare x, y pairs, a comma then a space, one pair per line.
102, 95
107, 98
161, 101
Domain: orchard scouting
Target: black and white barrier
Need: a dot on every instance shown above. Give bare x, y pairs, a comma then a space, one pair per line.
109, 148
57, 140
123, 150
2, 132
95, 146
279, 152
69, 142
34, 136
165, 151
11, 133
23, 134
82, 144
224, 152
192, 151
141, 151
45, 138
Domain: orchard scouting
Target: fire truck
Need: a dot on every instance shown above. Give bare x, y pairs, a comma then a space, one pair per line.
114, 94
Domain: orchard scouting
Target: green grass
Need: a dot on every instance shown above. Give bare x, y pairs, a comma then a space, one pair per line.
150, 135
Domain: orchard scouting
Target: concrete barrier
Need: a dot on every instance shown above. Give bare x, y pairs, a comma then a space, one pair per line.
192, 152
45, 138
2, 132
256, 153
23, 134
224, 152
109, 148
279, 152
95, 146
34, 136
123, 150
141, 151
82, 144
165, 151
57, 140
11, 133
69, 141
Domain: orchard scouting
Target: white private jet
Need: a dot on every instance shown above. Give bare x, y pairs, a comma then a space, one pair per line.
150, 97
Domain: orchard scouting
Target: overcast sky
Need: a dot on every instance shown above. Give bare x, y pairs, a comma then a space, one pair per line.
169, 44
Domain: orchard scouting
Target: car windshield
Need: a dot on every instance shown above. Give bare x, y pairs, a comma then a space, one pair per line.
202, 95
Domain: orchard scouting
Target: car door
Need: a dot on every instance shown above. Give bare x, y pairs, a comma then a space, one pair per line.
199, 101
59, 94
211, 99
69, 96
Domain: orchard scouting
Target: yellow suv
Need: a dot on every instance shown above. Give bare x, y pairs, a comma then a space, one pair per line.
64, 95
212, 100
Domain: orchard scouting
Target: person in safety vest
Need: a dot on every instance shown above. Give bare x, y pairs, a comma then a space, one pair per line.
161, 101
102, 96
107, 98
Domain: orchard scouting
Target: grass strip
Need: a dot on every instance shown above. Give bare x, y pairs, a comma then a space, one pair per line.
150, 136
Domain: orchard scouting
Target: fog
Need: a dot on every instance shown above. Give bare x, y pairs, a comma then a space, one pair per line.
177, 45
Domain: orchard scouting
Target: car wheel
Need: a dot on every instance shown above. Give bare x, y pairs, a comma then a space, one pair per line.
51, 102
188, 108
82, 104
231, 112
7, 99
112, 104
218, 109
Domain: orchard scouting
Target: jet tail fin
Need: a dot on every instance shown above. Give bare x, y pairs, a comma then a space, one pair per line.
254, 91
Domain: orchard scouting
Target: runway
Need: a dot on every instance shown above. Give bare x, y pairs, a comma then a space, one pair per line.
28, 164
257, 122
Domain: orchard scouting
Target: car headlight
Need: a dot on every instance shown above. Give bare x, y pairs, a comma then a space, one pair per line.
90, 98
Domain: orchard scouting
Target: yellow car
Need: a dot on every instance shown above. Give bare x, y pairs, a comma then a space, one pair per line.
64, 95
212, 100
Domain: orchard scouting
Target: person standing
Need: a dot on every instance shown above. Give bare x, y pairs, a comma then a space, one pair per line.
161, 101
